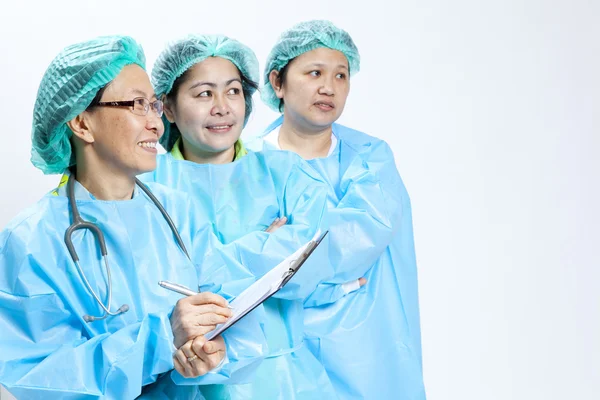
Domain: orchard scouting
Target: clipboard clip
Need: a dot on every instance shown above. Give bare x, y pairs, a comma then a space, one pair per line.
291, 271
297, 263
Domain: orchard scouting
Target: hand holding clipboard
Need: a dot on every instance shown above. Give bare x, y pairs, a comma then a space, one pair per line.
267, 285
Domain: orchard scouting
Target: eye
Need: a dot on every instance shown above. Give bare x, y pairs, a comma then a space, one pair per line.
141, 105
206, 93
341, 76
234, 91
315, 73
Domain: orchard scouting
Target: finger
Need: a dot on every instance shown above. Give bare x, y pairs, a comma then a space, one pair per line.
195, 357
197, 345
273, 225
178, 367
362, 282
207, 298
202, 330
185, 365
213, 360
210, 360
187, 351
278, 223
210, 319
212, 308
201, 365
214, 346
199, 368
195, 330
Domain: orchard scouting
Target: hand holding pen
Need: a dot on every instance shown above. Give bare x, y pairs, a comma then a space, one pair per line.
192, 317
196, 314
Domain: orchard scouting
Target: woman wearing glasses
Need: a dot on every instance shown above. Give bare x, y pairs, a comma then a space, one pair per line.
81, 313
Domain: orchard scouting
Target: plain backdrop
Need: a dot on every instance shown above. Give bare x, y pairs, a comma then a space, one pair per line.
491, 108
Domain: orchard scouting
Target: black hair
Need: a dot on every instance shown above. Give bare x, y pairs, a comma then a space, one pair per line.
97, 98
281, 77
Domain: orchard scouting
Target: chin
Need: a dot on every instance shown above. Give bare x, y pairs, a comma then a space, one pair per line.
323, 121
145, 167
221, 145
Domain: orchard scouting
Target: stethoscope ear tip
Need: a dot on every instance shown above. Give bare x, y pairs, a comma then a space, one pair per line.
123, 309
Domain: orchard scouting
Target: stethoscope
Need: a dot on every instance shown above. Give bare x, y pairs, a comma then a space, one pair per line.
80, 223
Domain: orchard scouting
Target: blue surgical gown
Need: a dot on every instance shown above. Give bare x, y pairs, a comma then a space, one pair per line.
243, 198
371, 236
47, 349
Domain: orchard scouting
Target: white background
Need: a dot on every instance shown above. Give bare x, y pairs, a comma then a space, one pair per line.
492, 112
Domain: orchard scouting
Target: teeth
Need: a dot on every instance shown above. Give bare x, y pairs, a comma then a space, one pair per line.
148, 145
219, 127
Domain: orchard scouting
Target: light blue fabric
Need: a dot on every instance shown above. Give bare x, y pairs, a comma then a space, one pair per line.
48, 351
243, 198
371, 236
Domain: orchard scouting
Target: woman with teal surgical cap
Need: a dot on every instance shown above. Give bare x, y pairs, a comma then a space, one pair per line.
207, 82
307, 79
81, 312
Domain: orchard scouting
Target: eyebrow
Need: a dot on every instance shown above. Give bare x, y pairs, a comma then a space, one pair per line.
143, 94
214, 85
318, 64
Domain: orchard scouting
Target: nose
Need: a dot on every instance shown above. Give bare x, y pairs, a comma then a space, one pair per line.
327, 86
154, 123
220, 106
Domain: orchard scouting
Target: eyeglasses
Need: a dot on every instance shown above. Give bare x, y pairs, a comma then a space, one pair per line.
139, 105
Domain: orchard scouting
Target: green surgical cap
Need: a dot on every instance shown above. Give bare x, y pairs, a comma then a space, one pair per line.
181, 55
301, 38
68, 87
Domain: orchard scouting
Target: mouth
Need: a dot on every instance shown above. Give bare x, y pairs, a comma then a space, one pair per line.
324, 105
148, 145
220, 128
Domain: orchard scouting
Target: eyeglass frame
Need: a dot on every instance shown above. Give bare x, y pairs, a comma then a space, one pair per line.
131, 105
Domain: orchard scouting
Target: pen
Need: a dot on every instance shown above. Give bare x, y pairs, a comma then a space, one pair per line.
175, 287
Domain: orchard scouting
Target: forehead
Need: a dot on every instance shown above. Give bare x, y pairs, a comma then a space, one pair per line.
131, 80
322, 55
213, 68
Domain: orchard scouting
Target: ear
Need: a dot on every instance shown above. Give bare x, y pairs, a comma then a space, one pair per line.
168, 109
276, 83
80, 126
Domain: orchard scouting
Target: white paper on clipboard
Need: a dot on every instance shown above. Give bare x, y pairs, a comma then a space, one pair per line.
267, 285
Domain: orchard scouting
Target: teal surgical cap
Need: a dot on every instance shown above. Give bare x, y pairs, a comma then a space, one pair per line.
301, 38
68, 87
180, 56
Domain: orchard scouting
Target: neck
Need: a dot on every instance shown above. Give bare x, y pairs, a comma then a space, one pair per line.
308, 144
103, 182
203, 157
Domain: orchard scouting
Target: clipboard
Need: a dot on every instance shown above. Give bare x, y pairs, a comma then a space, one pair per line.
269, 284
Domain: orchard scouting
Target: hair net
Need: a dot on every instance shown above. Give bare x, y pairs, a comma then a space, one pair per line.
303, 37
69, 85
181, 55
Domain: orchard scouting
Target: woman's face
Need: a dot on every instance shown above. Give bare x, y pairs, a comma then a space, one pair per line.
124, 141
315, 88
209, 107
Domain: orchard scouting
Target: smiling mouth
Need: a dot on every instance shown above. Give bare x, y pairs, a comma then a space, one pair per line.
148, 145
219, 128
